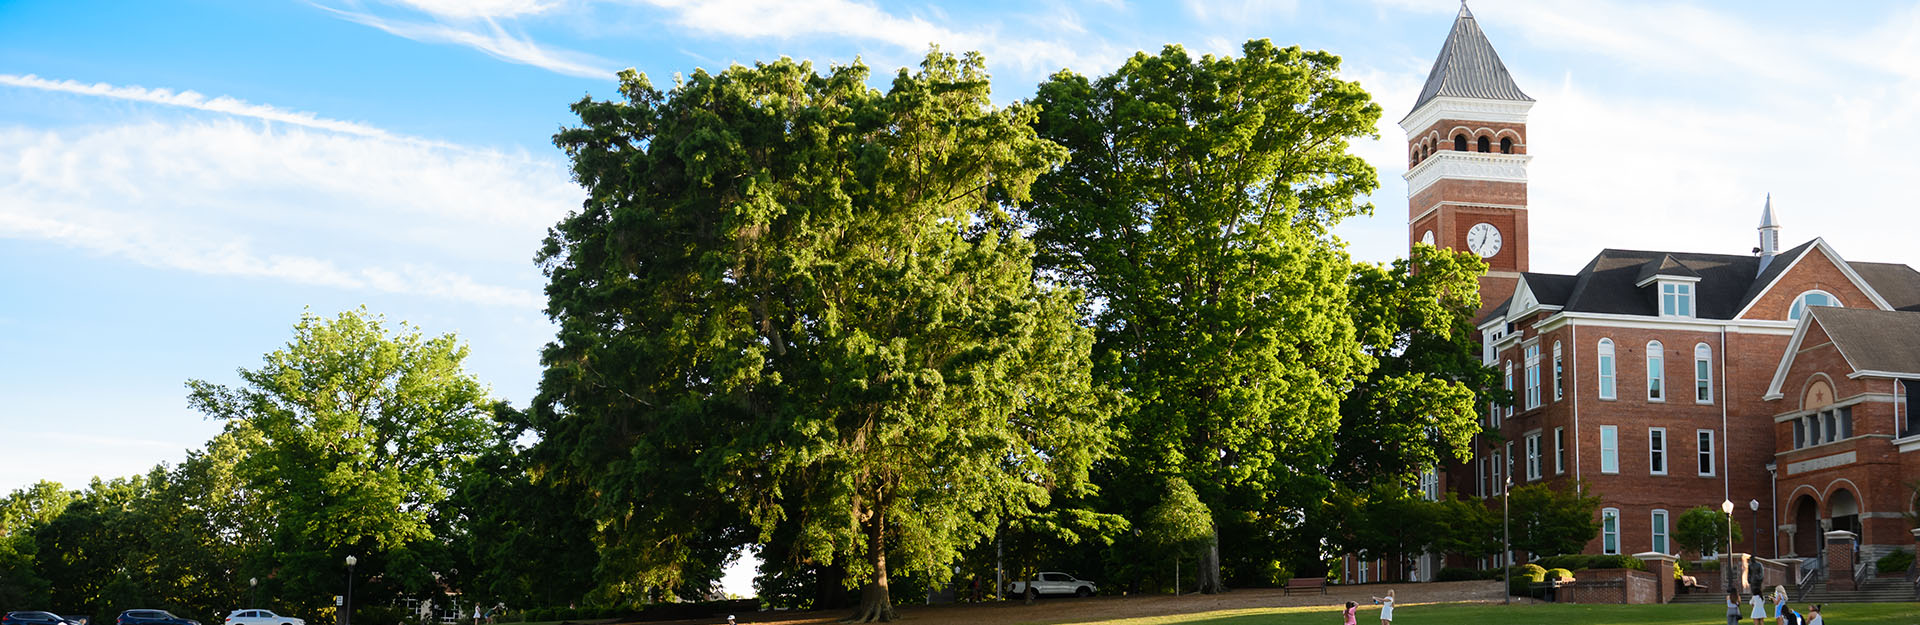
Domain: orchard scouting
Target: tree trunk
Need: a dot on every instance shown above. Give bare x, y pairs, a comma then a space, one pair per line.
1209, 570
876, 602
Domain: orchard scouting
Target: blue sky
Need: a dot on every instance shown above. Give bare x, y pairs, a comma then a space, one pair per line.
180, 180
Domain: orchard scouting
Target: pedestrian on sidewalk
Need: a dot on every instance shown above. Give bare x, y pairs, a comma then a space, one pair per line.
1386, 608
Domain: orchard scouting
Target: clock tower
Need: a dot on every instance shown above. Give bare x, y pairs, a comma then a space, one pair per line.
1467, 159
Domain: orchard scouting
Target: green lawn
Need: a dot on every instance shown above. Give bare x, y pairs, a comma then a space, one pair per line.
1545, 614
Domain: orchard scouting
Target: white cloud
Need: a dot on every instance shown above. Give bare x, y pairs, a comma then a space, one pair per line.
193, 100
484, 33
355, 208
477, 9
1239, 11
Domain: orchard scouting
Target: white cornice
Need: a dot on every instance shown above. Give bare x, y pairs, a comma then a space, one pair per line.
1465, 109
1643, 322
1466, 166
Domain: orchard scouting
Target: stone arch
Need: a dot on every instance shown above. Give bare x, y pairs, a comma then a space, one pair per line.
1842, 504
1804, 510
1484, 145
1820, 384
1460, 142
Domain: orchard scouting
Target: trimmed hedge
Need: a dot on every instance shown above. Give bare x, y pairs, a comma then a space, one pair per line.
1524, 577
1559, 574
1895, 562
1576, 562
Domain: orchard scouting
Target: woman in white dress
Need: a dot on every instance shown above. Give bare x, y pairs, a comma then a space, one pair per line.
1386, 608
1759, 613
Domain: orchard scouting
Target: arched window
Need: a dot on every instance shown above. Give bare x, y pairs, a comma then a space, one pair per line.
1811, 298
1459, 143
1702, 374
1506, 145
1656, 372
1606, 368
1483, 145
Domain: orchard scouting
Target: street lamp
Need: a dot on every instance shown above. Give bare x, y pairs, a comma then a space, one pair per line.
254, 583
1754, 505
1726, 507
1506, 530
346, 616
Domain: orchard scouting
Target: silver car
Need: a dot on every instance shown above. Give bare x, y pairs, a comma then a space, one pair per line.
261, 617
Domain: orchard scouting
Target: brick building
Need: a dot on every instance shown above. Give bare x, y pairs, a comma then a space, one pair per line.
1667, 380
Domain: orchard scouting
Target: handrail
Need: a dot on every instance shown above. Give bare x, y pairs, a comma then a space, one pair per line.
1860, 574
1808, 570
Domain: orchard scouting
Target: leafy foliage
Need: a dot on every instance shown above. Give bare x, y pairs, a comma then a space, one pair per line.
1549, 521
792, 300
1704, 531
1197, 211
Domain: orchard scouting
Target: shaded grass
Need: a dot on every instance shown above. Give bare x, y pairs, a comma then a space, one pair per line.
1518, 614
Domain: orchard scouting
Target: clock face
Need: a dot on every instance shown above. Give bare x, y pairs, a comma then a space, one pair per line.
1427, 238
1484, 239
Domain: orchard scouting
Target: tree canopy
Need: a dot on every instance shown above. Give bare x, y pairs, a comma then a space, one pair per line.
1197, 211
791, 299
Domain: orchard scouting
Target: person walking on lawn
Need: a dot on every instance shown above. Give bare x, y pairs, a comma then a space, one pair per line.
1386, 608
1351, 606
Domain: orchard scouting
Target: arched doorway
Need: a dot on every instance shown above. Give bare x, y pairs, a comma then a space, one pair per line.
1844, 509
1806, 526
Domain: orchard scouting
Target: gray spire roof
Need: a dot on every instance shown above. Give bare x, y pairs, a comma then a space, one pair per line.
1766, 214
1468, 67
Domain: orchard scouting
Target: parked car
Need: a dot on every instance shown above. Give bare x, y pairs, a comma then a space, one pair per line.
1052, 584
261, 617
152, 617
32, 617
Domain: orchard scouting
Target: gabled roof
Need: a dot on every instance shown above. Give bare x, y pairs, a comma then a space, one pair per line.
1468, 67
1608, 284
1896, 283
1666, 266
1772, 272
1551, 288
1880, 341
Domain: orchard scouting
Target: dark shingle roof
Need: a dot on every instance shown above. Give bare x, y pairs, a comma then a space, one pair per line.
1666, 265
1896, 283
1874, 340
1607, 284
1779, 264
1551, 289
1468, 67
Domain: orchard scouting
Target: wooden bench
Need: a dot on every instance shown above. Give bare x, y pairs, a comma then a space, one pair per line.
1318, 583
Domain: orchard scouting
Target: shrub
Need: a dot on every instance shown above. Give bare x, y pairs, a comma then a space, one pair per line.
1895, 562
1577, 562
1559, 574
1457, 574
1524, 576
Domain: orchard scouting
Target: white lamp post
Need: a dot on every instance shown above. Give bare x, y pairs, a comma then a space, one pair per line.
1726, 507
346, 616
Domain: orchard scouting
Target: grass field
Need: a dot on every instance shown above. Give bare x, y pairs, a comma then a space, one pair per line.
1544, 614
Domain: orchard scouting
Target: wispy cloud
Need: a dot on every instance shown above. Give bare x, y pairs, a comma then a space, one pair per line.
473, 9
193, 100
482, 31
315, 202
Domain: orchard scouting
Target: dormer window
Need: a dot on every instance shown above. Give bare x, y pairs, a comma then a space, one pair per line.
1810, 298
1676, 299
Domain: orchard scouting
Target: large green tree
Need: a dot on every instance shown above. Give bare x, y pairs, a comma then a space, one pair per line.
1197, 211
351, 437
794, 301
1550, 521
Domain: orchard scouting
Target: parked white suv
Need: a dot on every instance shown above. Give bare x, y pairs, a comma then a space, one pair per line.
1052, 584
261, 617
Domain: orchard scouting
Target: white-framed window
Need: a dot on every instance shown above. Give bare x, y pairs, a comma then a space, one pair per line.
1610, 531
1609, 449
1496, 485
1509, 388
1705, 439
1533, 376
1363, 571
1660, 531
1559, 451
1533, 456
1702, 374
1559, 374
1430, 485
1657, 451
1676, 299
1480, 476
1656, 372
1810, 298
1606, 368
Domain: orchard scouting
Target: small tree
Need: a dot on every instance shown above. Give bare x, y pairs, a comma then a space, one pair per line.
1180, 524
1703, 531
1548, 522
1467, 527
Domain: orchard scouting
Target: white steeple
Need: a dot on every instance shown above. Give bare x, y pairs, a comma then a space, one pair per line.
1769, 235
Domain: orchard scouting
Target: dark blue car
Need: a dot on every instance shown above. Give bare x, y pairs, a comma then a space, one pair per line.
152, 617
29, 617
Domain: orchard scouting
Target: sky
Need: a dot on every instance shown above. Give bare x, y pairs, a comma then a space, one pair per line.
180, 181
